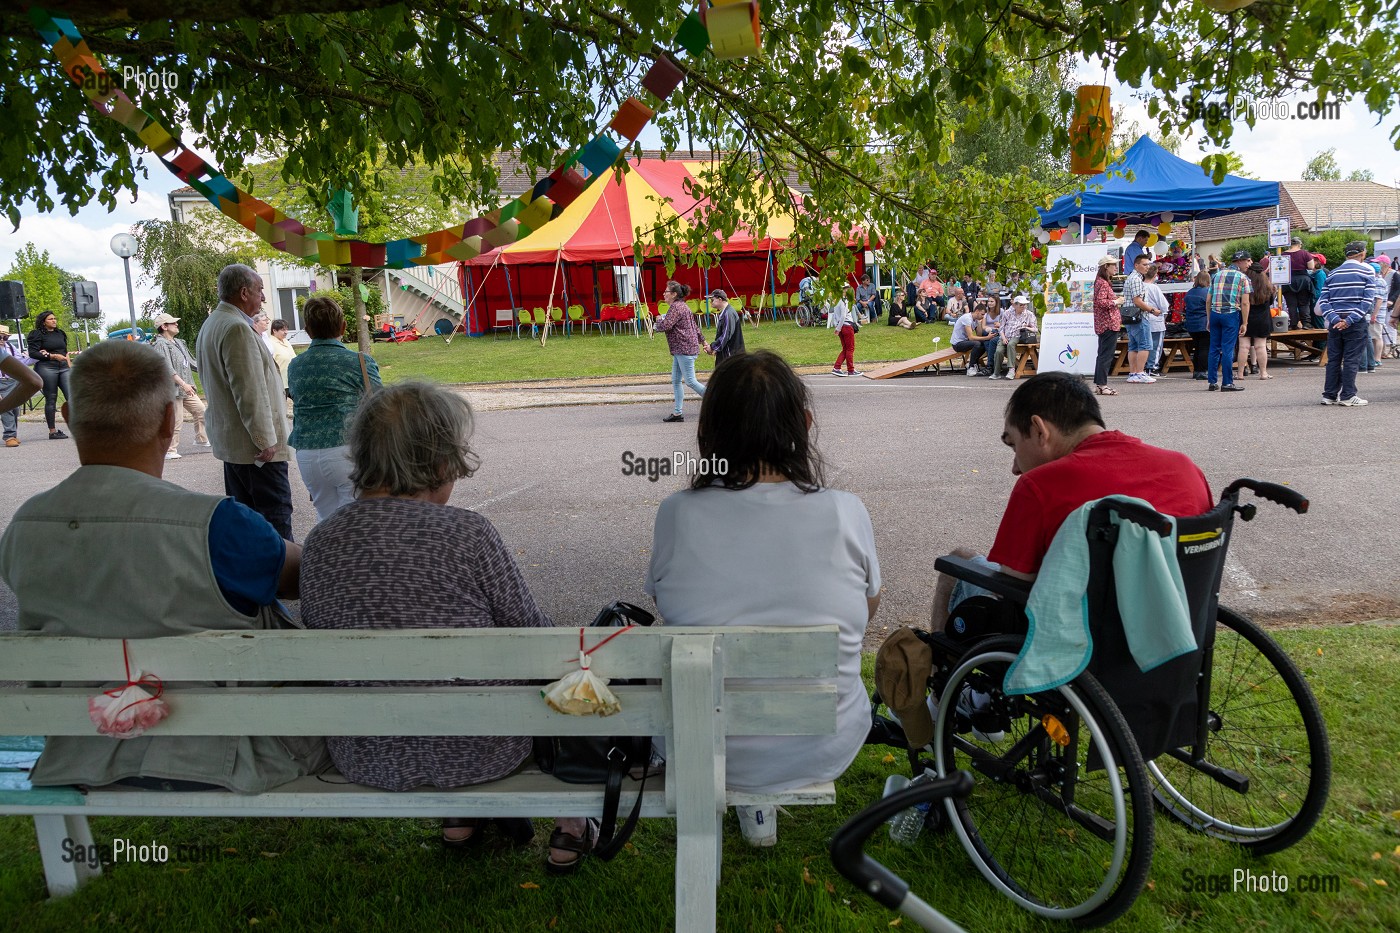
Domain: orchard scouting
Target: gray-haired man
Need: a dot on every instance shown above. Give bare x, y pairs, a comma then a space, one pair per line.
246, 421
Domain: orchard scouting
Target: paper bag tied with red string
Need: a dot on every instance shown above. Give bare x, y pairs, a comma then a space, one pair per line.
582, 692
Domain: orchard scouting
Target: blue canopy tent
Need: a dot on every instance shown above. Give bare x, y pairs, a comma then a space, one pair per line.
1160, 182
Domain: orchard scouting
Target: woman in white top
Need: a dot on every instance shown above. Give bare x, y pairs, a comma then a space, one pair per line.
1156, 318
807, 558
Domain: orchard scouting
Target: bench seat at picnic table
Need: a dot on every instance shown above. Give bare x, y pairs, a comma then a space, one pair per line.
286, 689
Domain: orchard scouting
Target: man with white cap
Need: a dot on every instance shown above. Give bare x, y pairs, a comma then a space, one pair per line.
1017, 326
1348, 300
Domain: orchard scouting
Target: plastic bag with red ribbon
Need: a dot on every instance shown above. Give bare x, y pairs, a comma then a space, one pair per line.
582, 692
127, 711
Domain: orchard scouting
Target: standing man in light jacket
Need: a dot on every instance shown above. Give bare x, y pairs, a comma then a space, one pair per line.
1348, 300
729, 332
247, 419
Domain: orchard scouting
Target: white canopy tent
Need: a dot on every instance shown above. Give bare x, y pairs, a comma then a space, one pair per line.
1390, 247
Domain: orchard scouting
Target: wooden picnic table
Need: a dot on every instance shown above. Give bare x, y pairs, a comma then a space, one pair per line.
1301, 343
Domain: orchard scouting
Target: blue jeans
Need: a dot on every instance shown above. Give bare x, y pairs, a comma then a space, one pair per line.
1224, 338
683, 370
1345, 351
1368, 360
1139, 336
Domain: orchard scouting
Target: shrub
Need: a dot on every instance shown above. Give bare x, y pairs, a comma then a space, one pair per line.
1329, 243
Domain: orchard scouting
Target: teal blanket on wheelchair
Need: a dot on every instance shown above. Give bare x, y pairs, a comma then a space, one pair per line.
1151, 601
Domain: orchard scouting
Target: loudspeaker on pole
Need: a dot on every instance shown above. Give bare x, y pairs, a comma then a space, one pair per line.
12, 304
85, 306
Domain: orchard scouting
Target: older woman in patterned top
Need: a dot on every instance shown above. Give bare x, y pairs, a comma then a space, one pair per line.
325, 384
409, 445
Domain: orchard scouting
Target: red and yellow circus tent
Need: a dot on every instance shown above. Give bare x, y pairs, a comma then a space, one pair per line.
585, 255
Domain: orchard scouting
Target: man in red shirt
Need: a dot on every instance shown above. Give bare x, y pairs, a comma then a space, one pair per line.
1065, 457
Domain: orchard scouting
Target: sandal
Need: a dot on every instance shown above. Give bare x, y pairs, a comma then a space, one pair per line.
1104, 390
461, 842
559, 839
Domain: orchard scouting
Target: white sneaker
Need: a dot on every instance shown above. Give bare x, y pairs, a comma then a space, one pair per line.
1354, 401
972, 371
174, 456
759, 825
1329, 401
1132, 378
203, 444
1146, 378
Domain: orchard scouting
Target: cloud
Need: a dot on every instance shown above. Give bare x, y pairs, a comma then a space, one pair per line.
81, 243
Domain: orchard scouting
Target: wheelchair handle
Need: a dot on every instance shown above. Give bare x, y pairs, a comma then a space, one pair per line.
1148, 518
848, 845
1284, 496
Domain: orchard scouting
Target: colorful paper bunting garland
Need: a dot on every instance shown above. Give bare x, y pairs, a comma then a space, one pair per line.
730, 27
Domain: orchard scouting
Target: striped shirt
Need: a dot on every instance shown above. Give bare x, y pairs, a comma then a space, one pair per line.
1227, 291
1350, 293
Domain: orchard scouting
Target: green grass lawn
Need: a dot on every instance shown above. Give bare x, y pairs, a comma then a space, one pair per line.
286, 874
485, 359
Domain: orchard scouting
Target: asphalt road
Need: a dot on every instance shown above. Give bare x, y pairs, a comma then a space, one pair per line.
924, 454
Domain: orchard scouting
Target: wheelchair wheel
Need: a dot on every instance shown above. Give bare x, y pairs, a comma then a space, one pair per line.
1266, 766
804, 315
1060, 814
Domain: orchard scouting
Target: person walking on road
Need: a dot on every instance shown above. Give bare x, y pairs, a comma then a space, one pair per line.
684, 341
729, 332
177, 357
1226, 303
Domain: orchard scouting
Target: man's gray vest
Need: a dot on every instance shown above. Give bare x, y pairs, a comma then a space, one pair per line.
115, 553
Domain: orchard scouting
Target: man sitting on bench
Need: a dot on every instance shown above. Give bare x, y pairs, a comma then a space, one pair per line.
1065, 457
151, 559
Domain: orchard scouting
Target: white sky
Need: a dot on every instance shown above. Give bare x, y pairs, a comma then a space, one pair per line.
1273, 150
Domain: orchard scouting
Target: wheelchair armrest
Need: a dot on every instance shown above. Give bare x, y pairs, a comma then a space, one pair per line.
1002, 584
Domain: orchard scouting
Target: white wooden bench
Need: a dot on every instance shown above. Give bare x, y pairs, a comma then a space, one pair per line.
694, 704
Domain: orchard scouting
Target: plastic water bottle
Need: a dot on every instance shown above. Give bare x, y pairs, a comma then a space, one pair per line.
906, 826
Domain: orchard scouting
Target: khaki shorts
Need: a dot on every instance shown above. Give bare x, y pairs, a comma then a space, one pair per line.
1377, 329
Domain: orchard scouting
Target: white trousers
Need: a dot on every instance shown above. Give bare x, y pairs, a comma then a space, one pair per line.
326, 473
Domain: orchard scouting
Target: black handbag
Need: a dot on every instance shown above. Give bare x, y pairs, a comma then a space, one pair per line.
604, 759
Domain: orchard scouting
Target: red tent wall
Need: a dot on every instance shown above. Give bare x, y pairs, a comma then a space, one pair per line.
530, 284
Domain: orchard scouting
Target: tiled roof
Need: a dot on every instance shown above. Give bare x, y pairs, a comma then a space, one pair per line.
516, 180
1345, 204
1251, 223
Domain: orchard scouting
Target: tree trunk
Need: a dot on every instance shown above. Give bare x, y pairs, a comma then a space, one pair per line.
362, 331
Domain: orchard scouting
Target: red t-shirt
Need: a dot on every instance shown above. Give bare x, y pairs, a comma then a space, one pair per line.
1104, 464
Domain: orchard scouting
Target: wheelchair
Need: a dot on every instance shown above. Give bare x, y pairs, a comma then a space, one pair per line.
810, 314
1227, 740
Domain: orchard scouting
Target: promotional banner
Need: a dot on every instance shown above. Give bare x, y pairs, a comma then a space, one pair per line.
1079, 264
1068, 343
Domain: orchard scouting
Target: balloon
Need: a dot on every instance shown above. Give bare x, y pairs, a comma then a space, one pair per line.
1072, 229
1168, 217
1161, 247
1044, 236
1164, 228
1152, 239
1056, 236
1036, 253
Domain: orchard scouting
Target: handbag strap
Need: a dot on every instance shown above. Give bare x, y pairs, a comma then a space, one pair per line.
610, 838
364, 372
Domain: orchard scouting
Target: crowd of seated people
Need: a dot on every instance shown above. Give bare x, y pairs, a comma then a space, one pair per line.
808, 557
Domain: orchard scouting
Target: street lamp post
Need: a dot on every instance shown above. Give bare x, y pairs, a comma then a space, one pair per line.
124, 245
